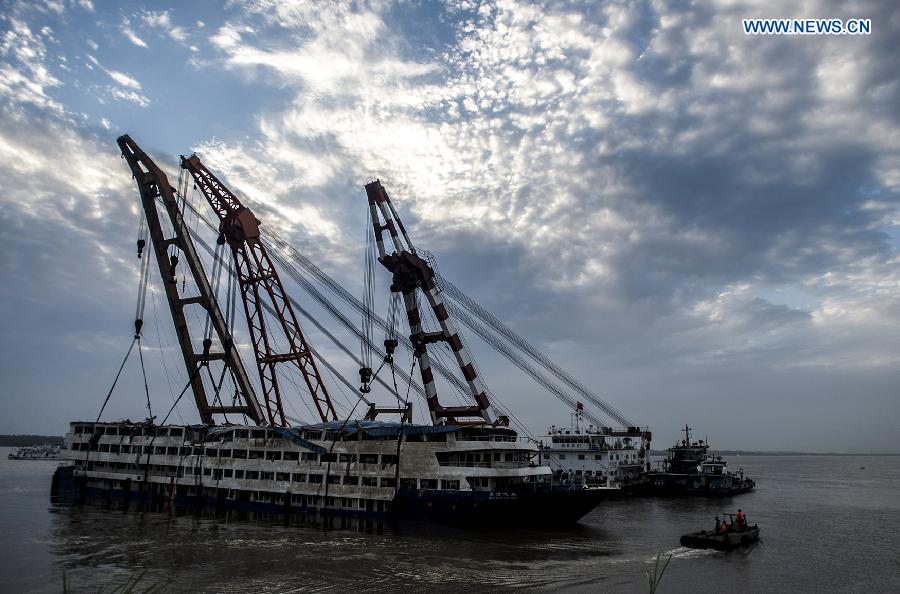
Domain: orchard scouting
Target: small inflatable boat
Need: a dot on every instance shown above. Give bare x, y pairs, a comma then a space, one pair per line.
722, 541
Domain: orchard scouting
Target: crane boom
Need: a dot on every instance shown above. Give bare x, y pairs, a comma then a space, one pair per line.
153, 183
260, 287
411, 272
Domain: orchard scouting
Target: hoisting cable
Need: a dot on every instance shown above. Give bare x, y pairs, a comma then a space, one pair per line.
365, 352
400, 432
115, 381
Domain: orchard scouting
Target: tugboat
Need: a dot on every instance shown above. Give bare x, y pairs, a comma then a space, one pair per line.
736, 535
597, 456
689, 469
36, 452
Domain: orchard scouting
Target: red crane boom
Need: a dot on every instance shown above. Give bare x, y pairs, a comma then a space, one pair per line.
259, 283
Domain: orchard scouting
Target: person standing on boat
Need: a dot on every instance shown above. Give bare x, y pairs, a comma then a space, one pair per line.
741, 518
724, 526
718, 527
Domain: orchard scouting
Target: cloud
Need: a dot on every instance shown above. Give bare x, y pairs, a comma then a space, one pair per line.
128, 87
693, 219
163, 20
131, 36
657, 157
24, 76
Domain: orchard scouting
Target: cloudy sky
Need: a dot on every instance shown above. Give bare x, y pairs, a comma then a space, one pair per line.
703, 226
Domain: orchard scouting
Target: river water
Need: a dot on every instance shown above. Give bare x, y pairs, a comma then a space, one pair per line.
828, 523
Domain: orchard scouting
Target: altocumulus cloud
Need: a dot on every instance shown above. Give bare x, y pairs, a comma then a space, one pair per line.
700, 223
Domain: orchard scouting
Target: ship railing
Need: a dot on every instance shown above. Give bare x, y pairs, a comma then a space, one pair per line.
501, 465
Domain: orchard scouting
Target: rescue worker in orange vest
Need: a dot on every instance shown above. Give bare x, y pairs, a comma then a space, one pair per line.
741, 518
724, 526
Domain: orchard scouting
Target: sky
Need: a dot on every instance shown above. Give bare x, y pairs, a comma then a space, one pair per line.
701, 225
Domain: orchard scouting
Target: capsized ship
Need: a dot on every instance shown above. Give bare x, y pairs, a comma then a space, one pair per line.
451, 473
690, 469
466, 466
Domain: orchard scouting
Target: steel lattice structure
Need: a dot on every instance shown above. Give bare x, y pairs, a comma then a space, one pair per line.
260, 286
411, 273
153, 184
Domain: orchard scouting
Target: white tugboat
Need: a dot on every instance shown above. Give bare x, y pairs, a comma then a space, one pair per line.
36, 452
596, 456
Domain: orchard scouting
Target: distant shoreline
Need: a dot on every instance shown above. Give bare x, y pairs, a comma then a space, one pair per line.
19, 441
776, 453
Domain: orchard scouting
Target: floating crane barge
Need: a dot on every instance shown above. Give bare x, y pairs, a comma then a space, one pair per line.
467, 466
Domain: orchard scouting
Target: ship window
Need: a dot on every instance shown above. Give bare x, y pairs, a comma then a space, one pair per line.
562, 456
159, 451
330, 457
241, 433
104, 447
207, 471
312, 435
211, 453
496, 456
256, 454
388, 459
388, 482
508, 457
228, 473
453, 485
252, 475
79, 430
242, 454
238, 474
334, 479
598, 456
368, 458
258, 434
283, 476
267, 476
408, 483
347, 458
315, 478
176, 432
581, 456
126, 449
198, 451
273, 455
428, 484
299, 477
114, 448
310, 456
351, 480
224, 453
436, 437
370, 481
291, 455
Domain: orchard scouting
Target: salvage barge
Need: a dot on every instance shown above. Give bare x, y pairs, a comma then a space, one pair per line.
449, 473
